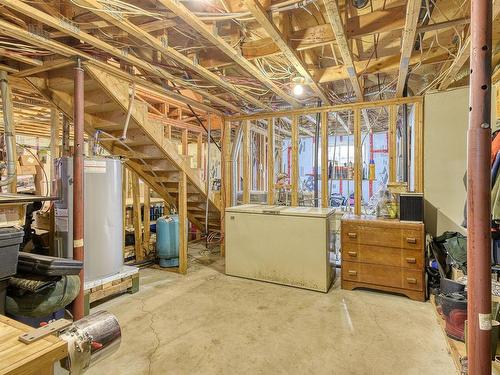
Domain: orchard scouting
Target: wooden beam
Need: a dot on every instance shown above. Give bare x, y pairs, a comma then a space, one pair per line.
188, 17
358, 167
393, 115
246, 161
147, 221
324, 161
270, 161
139, 33
408, 42
272, 30
387, 64
184, 136
226, 183
294, 178
18, 57
136, 212
333, 14
419, 148
183, 222
328, 108
114, 51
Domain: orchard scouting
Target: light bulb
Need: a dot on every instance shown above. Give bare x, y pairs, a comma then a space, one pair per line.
298, 89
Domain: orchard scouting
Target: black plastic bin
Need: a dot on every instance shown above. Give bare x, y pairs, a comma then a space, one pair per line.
47, 266
3, 293
10, 239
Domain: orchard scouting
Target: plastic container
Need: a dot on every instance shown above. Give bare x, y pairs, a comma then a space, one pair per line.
47, 266
10, 239
167, 240
3, 293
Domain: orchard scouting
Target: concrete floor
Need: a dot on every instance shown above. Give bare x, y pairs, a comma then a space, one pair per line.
210, 323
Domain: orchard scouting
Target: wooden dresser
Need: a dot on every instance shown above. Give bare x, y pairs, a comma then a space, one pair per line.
382, 254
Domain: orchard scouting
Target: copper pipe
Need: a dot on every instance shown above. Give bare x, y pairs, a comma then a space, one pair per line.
78, 214
479, 192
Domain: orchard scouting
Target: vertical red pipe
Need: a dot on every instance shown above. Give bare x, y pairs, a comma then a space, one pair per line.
478, 192
78, 118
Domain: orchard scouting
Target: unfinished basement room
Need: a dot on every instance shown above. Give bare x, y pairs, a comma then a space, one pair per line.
249, 187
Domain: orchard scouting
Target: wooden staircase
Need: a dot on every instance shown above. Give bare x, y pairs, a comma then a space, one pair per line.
147, 149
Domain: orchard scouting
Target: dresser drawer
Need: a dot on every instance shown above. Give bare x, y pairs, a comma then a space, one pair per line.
372, 274
413, 279
383, 236
388, 256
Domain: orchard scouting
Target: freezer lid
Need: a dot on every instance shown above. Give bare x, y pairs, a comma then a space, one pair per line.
282, 210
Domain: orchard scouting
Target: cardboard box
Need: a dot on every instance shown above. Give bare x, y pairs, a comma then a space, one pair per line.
26, 170
27, 160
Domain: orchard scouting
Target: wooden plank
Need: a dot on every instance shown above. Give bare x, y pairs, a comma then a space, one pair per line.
19, 358
246, 161
185, 144
333, 14
408, 41
147, 221
330, 108
226, 183
18, 57
358, 165
324, 161
294, 178
199, 151
124, 206
139, 33
419, 148
192, 20
270, 161
139, 253
393, 113
291, 55
183, 222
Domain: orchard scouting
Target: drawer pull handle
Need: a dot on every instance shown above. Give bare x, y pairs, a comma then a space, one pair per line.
411, 240
411, 260
411, 280
353, 254
352, 235
352, 273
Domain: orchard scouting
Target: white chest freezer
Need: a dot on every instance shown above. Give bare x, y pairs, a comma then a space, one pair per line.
284, 245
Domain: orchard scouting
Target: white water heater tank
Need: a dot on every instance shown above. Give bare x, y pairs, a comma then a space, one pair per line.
103, 215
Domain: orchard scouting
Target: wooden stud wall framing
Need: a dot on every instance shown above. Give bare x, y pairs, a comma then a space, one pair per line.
295, 163
393, 116
324, 160
183, 222
419, 147
246, 162
270, 161
357, 162
227, 168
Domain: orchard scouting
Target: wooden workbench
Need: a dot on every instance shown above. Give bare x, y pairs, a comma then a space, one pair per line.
17, 358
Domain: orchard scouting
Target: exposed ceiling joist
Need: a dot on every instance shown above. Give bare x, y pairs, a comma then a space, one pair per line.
170, 52
116, 52
192, 20
7, 28
18, 57
463, 54
332, 12
263, 19
407, 43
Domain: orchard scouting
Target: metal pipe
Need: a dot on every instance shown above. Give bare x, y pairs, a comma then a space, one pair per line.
131, 99
65, 136
209, 136
479, 191
78, 182
234, 162
9, 132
